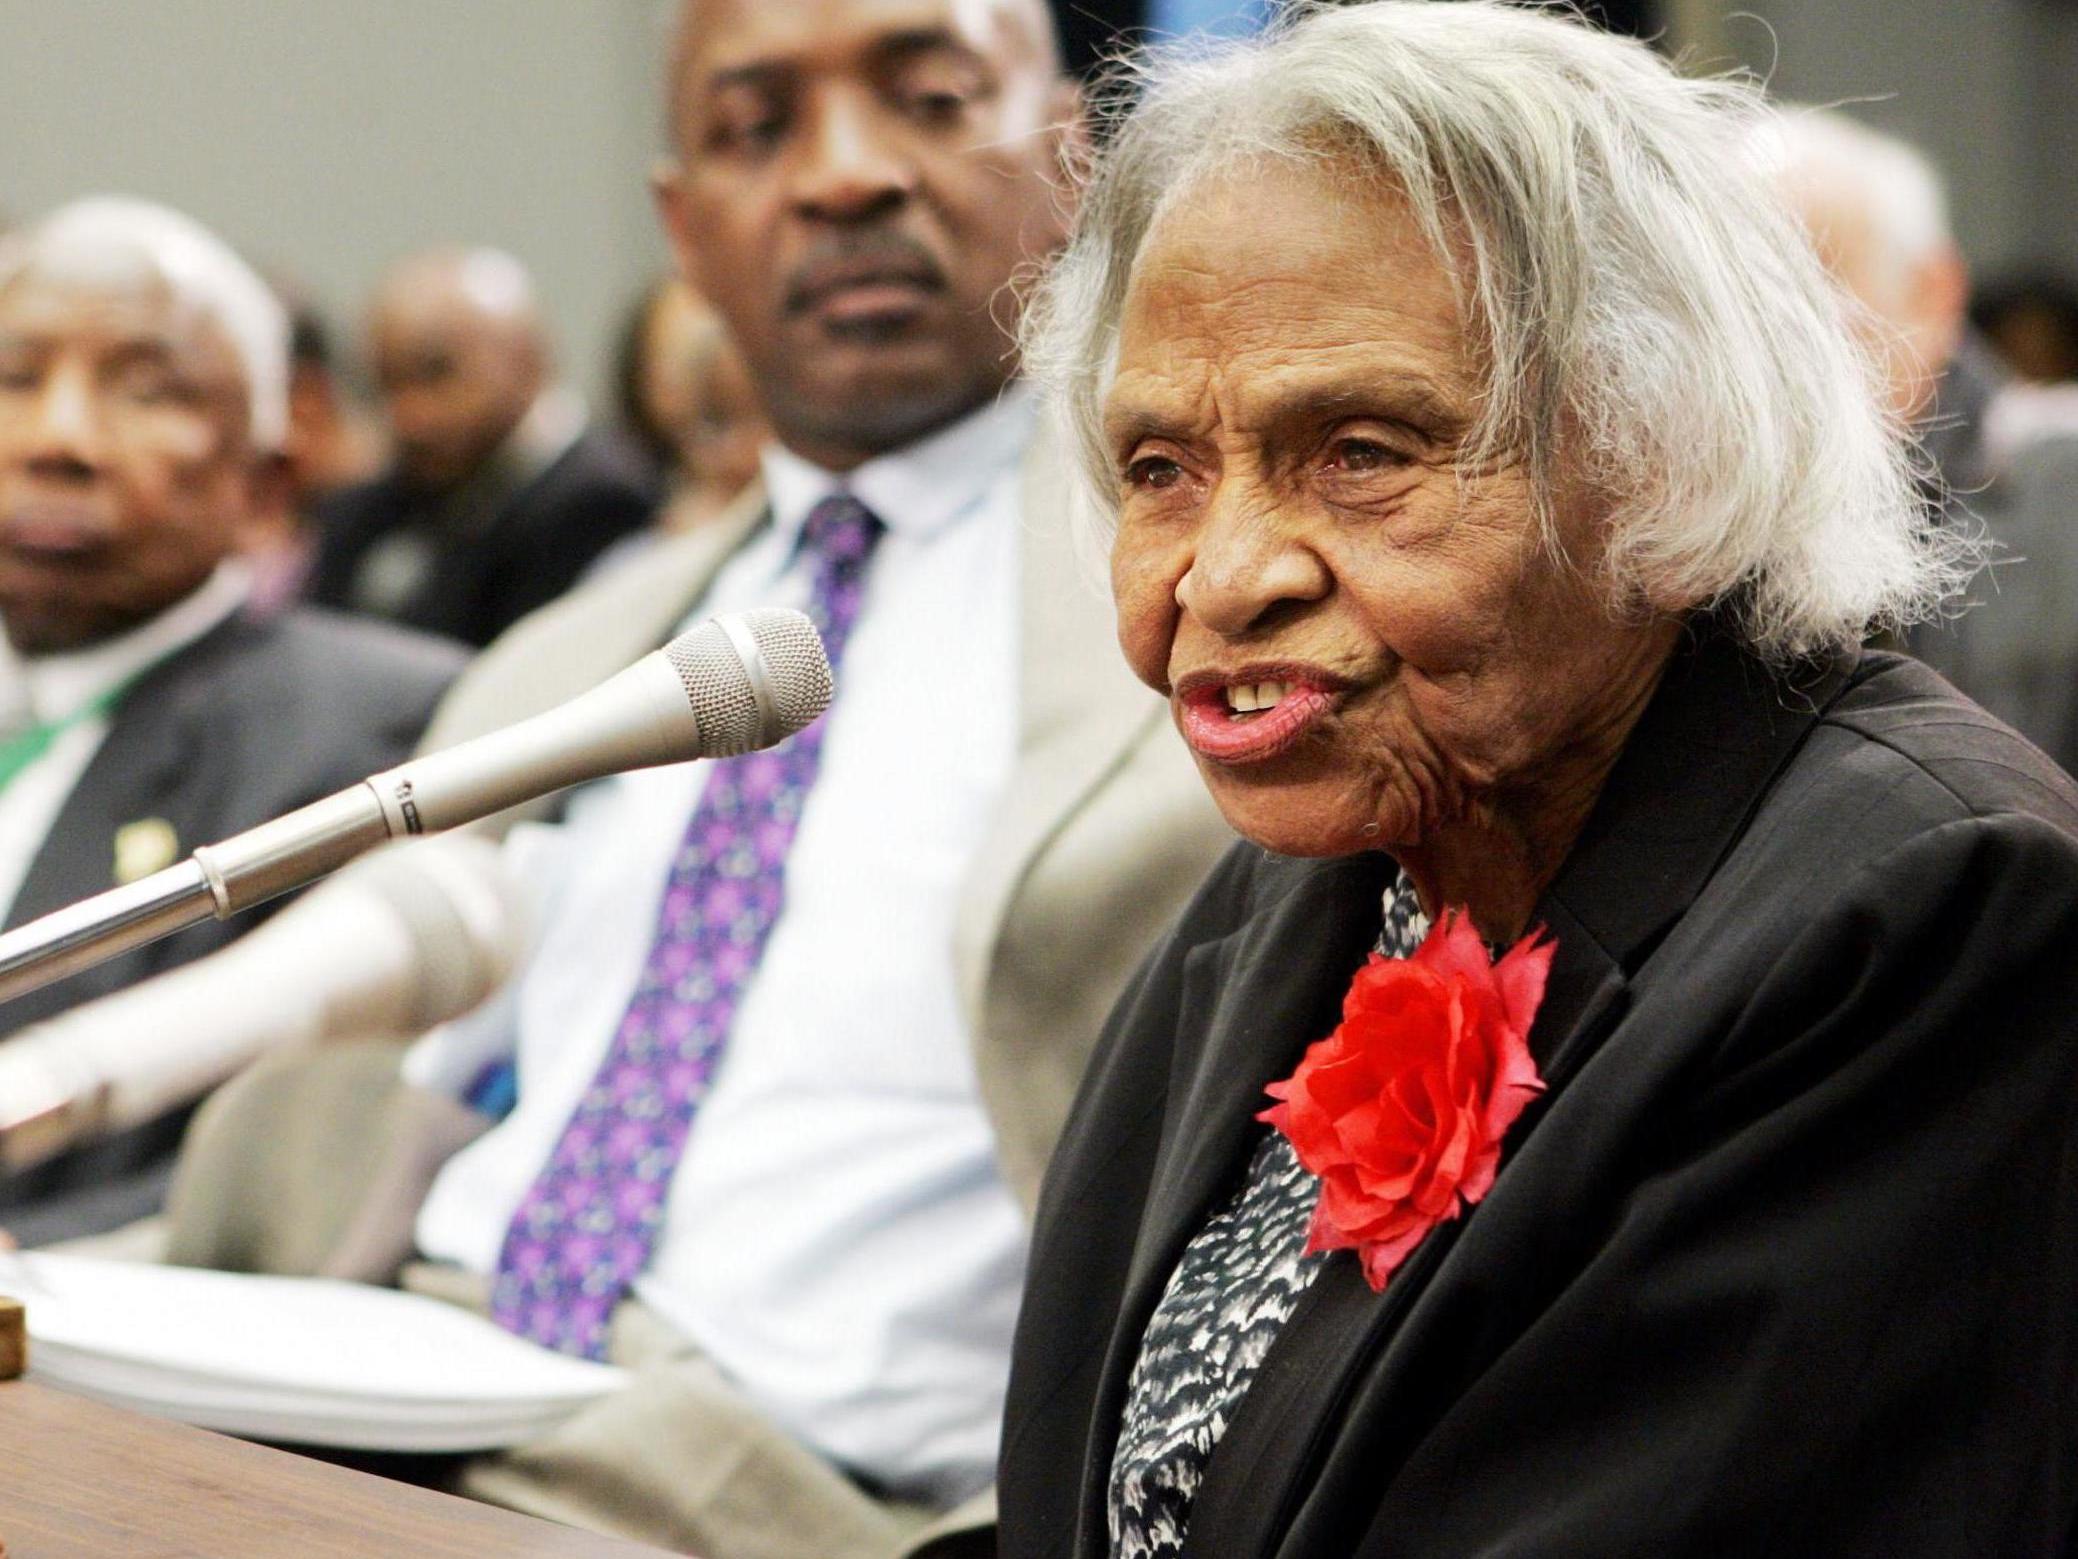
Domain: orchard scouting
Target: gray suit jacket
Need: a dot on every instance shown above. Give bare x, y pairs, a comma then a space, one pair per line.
250, 721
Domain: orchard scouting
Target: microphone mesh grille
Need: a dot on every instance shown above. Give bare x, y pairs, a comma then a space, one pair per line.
794, 660
719, 686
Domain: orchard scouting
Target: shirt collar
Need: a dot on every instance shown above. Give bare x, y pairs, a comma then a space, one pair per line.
55, 687
916, 490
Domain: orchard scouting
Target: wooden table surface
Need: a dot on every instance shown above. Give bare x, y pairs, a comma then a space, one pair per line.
82, 1481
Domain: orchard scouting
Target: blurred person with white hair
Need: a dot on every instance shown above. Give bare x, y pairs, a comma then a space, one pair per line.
501, 493
1992, 461
1618, 1097
143, 404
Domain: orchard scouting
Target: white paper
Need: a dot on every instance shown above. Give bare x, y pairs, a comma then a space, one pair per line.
307, 1360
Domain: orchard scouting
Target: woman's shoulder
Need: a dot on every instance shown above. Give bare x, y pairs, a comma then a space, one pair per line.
1898, 720
1899, 765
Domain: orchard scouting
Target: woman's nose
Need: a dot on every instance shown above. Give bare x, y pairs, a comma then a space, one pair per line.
1246, 566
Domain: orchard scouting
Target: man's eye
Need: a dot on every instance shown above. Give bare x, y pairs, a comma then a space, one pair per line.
1153, 473
940, 106
151, 387
747, 128
17, 375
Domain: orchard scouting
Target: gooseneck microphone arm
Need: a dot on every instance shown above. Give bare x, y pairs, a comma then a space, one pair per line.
731, 685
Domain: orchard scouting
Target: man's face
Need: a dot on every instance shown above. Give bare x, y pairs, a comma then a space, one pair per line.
125, 470
859, 182
453, 385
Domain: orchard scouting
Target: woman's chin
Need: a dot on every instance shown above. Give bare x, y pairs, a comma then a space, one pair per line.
1299, 820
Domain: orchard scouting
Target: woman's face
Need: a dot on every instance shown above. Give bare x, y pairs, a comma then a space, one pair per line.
1362, 638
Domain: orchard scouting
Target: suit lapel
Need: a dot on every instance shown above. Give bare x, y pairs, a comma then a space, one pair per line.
657, 590
1251, 1003
1079, 714
1718, 731
152, 765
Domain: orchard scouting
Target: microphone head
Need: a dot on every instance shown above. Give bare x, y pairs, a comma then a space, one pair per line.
753, 678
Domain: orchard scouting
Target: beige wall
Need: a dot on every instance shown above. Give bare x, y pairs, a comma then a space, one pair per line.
327, 136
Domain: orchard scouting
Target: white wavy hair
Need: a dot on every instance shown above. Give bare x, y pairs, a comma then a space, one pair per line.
1654, 321
111, 239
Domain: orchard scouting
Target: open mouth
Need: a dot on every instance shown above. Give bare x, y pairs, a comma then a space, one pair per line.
1248, 721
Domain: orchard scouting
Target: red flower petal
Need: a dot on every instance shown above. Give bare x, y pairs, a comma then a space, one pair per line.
1401, 1111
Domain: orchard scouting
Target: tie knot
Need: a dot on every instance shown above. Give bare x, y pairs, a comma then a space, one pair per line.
840, 529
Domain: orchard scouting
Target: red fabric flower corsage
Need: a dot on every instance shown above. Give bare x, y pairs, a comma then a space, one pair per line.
1401, 1110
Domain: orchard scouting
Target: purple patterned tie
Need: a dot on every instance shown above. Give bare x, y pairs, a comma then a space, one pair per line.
587, 1225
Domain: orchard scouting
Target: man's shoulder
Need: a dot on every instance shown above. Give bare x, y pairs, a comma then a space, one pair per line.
318, 647
311, 672
600, 470
370, 505
585, 635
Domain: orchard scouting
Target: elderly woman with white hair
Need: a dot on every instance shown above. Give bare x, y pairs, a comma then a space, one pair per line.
1623, 1096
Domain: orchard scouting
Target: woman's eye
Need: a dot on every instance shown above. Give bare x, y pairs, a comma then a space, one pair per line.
1153, 472
1364, 454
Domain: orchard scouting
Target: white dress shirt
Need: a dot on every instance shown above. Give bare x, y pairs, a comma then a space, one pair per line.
50, 689
838, 1238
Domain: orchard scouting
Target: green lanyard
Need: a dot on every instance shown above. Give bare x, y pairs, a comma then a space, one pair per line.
18, 752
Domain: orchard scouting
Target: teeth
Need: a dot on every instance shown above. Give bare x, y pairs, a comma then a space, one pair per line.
1247, 697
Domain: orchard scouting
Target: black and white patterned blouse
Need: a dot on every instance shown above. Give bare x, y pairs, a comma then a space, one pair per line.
1239, 1281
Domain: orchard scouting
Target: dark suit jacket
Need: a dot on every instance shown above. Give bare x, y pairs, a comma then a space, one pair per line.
1785, 1261
250, 721
528, 549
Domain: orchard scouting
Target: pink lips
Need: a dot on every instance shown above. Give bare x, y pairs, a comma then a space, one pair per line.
1216, 732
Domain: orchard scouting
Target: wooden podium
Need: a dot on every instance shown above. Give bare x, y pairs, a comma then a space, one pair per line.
82, 1481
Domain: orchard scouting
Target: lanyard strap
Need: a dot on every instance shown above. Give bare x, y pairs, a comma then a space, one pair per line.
17, 752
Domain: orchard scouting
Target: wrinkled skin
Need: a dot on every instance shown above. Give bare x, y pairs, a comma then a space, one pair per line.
1294, 389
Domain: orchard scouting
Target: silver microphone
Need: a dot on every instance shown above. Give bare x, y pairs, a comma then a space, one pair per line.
408, 938
736, 683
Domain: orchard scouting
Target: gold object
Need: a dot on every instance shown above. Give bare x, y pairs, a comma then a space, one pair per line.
14, 1339
143, 847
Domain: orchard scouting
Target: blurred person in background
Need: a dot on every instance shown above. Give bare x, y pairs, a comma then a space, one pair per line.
331, 445
1875, 208
686, 396
2031, 319
143, 408
833, 999
500, 492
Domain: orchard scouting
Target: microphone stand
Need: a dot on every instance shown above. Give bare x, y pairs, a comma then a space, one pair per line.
214, 883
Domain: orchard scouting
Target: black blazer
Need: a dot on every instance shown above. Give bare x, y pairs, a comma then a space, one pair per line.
529, 551
1784, 1262
250, 721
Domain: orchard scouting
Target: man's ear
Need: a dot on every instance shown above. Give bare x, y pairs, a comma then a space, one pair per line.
667, 190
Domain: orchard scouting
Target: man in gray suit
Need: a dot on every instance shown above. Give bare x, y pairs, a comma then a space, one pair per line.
143, 373
805, 1231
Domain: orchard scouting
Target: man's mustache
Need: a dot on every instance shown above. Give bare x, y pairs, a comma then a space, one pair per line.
852, 260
